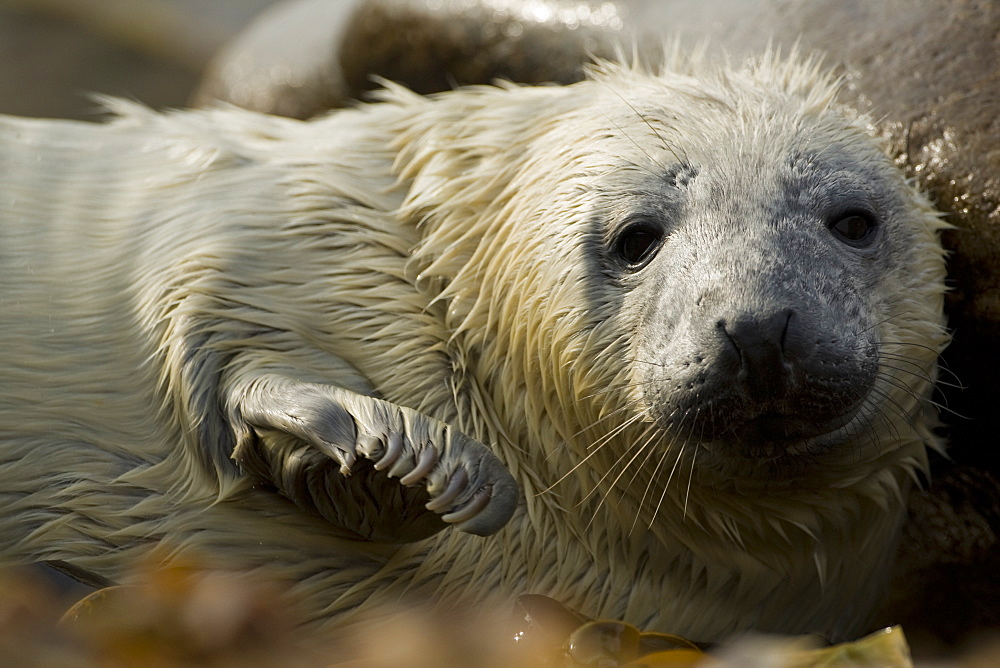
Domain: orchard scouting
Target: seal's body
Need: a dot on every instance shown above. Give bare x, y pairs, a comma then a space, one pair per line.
669, 338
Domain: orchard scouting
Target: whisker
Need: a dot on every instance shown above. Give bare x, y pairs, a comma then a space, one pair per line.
923, 346
652, 129
666, 485
896, 357
627, 407
642, 466
855, 433
622, 386
635, 360
891, 404
687, 493
603, 440
638, 146
594, 448
568, 473
880, 323
649, 435
872, 401
890, 380
916, 374
656, 469
652, 478
936, 386
941, 362
891, 424
597, 486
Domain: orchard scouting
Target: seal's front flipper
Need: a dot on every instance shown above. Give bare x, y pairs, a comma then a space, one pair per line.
381, 471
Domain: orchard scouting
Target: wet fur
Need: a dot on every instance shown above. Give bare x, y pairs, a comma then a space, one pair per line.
439, 246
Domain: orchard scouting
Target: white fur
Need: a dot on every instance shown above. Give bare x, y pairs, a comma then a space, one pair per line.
434, 244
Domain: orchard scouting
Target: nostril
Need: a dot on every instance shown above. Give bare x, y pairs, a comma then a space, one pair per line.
789, 313
773, 331
763, 348
723, 328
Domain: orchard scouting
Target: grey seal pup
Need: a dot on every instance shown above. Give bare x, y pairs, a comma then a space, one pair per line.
669, 337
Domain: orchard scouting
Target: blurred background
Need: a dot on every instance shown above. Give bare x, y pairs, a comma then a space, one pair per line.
54, 52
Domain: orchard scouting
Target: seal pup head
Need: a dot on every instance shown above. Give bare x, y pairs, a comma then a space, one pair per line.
771, 269
707, 272
786, 285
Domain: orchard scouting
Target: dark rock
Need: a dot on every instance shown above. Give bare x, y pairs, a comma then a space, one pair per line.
437, 45
286, 62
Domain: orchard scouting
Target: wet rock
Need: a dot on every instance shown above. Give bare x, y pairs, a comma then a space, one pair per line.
435, 45
286, 62
306, 56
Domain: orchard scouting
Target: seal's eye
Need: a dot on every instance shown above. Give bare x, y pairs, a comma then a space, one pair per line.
855, 228
638, 243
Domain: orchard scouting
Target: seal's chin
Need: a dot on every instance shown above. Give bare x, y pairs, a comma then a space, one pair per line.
777, 439
776, 428
787, 430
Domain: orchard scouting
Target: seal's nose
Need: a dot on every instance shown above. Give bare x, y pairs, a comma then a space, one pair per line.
762, 351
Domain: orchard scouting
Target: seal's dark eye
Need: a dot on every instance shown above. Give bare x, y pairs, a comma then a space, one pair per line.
638, 243
857, 229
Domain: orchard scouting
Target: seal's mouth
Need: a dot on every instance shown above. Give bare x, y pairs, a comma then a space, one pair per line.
775, 428
773, 435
